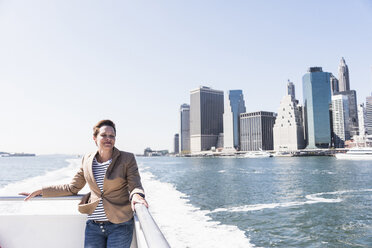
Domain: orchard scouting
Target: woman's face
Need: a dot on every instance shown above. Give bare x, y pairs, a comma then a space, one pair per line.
105, 139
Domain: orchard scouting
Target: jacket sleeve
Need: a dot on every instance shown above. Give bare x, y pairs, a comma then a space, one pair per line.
133, 177
76, 184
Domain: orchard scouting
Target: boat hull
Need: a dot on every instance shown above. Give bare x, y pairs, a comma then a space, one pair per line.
353, 157
44, 231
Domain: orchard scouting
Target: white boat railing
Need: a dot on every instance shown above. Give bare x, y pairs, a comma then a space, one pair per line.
153, 236
146, 233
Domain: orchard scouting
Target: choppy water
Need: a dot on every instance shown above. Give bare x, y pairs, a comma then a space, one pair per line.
227, 202
279, 202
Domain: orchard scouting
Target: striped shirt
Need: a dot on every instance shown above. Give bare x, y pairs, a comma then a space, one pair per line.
99, 172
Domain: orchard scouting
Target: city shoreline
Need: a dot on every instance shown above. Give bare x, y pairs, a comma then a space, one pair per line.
241, 154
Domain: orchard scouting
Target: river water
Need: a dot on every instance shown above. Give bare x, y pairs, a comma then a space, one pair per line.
234, 202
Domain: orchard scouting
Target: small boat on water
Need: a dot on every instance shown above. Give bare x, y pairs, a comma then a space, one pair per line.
257, 154
17, 154
283, 154
358, 153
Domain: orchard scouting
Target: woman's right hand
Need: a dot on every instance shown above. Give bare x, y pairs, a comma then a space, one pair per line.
32, 195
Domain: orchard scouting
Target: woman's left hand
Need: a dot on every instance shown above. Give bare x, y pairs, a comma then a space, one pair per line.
138, 199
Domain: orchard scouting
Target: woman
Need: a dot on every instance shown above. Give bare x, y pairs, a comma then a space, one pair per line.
115, 186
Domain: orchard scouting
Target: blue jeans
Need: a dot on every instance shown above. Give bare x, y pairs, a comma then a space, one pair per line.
108, 235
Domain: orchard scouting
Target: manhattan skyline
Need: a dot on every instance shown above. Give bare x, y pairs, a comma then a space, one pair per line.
66, 65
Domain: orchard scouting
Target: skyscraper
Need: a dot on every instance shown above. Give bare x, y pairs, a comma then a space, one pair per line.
288, 128
344, 89
361, 119
317, 100
291, 89
185, 128
176, 142
353, 110
343, 76
340, 119
368, 120
234, 106
256, 131
334, 84
206, 118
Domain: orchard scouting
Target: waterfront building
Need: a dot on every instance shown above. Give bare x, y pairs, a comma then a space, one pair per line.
344, 89
343, 76
361, 119
288, 128
220, 141
148, 152
206, 118
334, 84
291, 89
185, 128
176, 142
353, 110
302, 115
368, 119
256, 131
340, 120
233, 106
317, 101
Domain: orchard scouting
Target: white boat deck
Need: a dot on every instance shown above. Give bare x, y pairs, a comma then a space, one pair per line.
67, 230
42, 231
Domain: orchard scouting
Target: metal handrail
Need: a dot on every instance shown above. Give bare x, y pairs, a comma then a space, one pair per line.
153, 236
21, 198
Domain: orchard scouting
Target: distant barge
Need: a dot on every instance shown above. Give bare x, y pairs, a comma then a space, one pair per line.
4, 154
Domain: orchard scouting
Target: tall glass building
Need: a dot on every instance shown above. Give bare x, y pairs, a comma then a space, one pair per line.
206, 118
368, 120
176, 144
343, 76
334, 84
234, 106
291, 89
317, 100
185, 128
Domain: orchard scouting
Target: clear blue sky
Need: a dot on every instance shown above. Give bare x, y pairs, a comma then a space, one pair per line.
64, 65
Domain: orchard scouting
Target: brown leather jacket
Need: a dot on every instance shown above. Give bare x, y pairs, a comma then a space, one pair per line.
121, 181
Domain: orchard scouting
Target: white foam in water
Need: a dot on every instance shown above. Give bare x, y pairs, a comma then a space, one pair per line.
184, 225
312, 199
60, 176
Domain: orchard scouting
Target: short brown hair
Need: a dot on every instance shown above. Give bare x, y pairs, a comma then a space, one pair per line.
101, 124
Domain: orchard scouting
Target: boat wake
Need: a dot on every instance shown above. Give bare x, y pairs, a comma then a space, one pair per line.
54, 177
184, 225
311, 199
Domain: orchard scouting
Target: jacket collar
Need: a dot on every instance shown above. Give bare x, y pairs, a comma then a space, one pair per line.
115, 155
